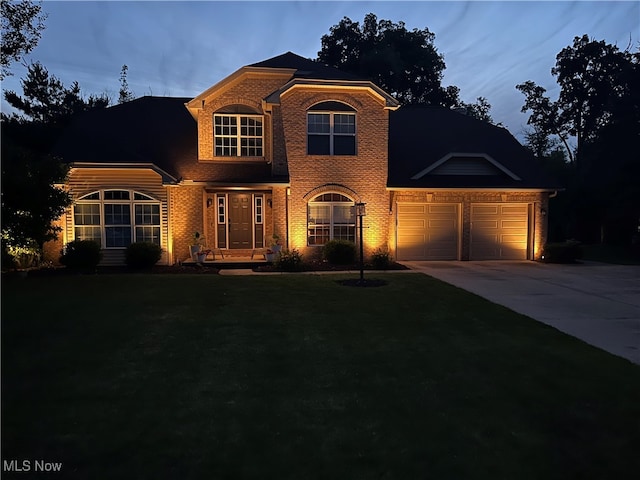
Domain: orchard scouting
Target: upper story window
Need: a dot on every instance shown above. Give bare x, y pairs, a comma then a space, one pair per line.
331, 129
238, 132
116, 218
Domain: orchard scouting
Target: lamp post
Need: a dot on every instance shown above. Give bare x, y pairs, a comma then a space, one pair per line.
361, 211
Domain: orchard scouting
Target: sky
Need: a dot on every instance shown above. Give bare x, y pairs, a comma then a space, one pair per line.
182, 48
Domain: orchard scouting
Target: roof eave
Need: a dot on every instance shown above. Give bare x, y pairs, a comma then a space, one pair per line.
167, 178
274, 98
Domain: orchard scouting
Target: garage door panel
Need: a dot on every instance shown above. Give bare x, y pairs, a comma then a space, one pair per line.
428, 232
411, 209
443, 209
414, 223
514, 209
514, 224
499, 232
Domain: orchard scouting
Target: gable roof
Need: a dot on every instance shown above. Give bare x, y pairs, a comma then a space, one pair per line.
305, 68
435, 147
153, 131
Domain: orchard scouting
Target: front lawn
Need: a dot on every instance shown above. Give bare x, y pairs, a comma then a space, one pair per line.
297, 377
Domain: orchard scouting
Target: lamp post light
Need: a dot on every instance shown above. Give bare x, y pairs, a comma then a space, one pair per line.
361, 211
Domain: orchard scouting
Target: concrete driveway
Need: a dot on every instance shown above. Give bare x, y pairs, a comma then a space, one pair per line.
595, 302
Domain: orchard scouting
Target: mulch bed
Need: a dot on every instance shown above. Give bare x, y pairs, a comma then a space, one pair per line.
312, 266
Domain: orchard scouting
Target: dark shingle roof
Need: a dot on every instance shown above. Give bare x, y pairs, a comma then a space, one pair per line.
154, 130
420, 136
305, 68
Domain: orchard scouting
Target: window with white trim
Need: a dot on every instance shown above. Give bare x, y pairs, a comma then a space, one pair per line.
330, 216
331, 129
238, 135
114, 220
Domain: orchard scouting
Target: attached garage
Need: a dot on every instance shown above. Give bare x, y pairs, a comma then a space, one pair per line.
428, 231
499, 232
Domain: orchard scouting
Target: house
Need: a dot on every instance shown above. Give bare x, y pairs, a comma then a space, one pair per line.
287, 146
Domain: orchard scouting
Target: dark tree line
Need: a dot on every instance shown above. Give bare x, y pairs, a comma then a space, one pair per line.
590, 137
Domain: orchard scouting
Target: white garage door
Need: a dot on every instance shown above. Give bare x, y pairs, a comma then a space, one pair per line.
428, 231
499, 232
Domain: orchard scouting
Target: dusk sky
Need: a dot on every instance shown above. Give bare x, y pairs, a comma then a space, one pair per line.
182, 48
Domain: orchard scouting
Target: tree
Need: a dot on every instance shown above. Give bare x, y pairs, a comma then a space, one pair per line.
480, 110
598, 110
126, 95
594, 79
46, 100
545, 117
404, 63
30, 200
22, 25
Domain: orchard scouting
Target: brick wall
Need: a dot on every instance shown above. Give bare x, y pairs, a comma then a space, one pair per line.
249, 90
362, 177
186, 216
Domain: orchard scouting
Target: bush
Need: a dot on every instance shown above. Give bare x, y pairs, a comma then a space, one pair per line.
142, 255
81, 255
381, 260
565, 252
340, 252
289, 261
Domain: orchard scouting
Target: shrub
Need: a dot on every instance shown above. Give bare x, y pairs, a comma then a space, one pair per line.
565, 252
289, 261
81, 255
23, 256
142, 254
340, 252
381, 259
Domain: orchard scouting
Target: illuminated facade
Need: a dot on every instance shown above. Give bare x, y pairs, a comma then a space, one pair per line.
287, 147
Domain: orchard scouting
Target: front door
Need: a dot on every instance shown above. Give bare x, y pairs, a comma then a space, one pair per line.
240, 235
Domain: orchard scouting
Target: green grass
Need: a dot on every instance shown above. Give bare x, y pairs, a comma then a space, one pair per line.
617, 254
297, 377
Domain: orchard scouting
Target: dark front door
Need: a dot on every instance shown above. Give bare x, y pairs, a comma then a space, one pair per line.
240, 220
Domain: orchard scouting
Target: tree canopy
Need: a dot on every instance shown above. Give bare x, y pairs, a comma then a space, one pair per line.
22, 24
597, 82
405, 63
31, 202
596, 118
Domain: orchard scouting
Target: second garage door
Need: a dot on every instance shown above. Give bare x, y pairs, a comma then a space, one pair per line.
499, 232
428, 231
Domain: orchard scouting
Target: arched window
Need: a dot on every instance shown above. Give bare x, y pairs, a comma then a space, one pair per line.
117, 218
331, 129
330, 216
238, 132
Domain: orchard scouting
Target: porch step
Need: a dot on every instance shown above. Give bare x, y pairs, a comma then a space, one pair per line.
227, 263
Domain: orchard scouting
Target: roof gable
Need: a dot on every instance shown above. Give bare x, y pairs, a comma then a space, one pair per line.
456, 163
435, 147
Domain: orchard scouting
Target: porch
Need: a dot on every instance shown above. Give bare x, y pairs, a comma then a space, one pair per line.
228, 258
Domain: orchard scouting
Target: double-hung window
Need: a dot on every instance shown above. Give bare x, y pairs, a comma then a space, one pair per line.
238, 135
331, 129
116, 218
